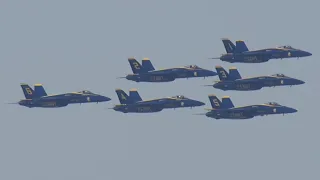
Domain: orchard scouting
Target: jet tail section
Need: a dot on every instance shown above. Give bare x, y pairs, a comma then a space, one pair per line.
135, 66
27, 91
39, 90
234, 73
226, 102
215, 102
241, 47
147, 65
223, 74
228, 45
123, 97
134, 95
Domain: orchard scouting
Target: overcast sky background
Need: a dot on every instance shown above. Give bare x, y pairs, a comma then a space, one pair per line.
73, 45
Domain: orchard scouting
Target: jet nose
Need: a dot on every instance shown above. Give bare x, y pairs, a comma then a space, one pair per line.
116, 108
133, 77
199, 103
217, 85
194, 103
305, 53
128, 77
291, 110
103, 99
211, 73
308, 53
300, 82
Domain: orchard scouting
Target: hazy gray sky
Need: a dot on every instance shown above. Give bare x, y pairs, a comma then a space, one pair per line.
70, 45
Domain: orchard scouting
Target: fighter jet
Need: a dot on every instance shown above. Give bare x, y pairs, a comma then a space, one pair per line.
234, 81
240, 53
226, 109
147, 73
39, 98
133, 103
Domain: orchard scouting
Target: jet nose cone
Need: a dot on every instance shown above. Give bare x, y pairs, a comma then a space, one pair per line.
217, 85
128, 77
212, 73
305, 53
201, 103
300, 82
291, 110
196, 103
116, 108
308, 54
103, 98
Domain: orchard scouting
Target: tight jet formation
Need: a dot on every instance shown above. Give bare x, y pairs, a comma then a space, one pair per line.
147, 73
228, 81
234, 81
240, 53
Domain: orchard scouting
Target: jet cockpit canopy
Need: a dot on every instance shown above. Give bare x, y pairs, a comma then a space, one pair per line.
192, 66
279, 75
179, 97
273, 103
86, 92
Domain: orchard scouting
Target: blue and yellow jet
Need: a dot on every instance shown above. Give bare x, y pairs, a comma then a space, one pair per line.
39, 98
226, 109
240, 53
147, 73
234, 81
133, 103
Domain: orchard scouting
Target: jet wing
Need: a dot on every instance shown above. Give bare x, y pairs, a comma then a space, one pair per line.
251, 80
60, 97
257, 52
161, 73
158, 102
246, 109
